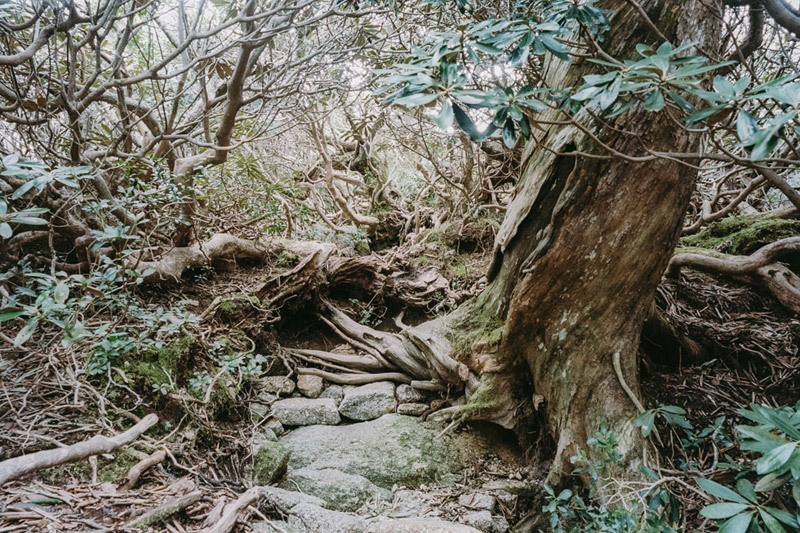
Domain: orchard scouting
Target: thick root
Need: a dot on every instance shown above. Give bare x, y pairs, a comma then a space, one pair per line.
220, 247
760, 268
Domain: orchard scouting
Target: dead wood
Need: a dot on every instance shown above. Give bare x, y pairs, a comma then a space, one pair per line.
25, 464
220, 247
139, 468
232, 511
169, 508
761, 268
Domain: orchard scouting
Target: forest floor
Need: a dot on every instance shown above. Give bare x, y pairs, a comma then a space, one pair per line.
210, 446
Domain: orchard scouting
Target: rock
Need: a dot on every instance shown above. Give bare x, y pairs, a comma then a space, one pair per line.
419, 525
484, 521
333, 391
272, 526
283, 501
309, 386
478, 500
268, 434
275, 425
280, 385
258, 410
269, 462
408, 394
306, 411
341, 491
315, 519
369, 402
412, 409
392, 449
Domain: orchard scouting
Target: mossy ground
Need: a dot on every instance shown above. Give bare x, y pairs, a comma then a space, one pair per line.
237, 308
169, 365
742, 235
109, 470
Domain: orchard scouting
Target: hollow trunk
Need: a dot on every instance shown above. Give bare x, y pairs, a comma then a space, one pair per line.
583, 246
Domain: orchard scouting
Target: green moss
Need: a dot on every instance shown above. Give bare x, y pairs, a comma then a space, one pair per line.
111, 470
483, 399
224, 399
477, 327
286, 259
168, 365
237, 308
742, 235
269, 462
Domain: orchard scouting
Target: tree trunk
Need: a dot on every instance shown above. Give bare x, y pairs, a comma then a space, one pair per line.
583, 246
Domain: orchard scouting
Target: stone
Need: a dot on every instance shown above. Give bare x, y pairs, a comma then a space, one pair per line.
412, 409
283, 501
272, 526
268, 434
280, 385
333, 391
478, 500
306, 411
369, 402
309, 386
419, 525
315, 519
269, 461
393, 449
341, 491
258, 410
484, 521
408, 394
275, 425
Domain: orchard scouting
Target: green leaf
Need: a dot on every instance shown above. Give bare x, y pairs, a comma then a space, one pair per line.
746, 126
720, 491
745, 488
61, 292
720, 511
737, 524
26, 332
31, 221
655, 102
610, 95
10, 315
771, 482
5, 230
445, 117
772, 524
509, 138
465, 123
776, 458
646, 421
724, 87
674, 409
415, 100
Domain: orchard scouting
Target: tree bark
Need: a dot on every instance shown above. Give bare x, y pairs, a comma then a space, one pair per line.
583, 246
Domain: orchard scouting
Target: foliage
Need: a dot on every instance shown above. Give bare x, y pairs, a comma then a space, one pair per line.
776, 439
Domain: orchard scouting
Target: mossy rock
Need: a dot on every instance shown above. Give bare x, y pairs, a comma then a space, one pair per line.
742, 235
269, 461
287, 259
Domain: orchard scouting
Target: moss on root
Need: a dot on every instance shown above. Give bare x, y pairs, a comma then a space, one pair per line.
741, 235
477, 329
111, 470
237, 307
485, 399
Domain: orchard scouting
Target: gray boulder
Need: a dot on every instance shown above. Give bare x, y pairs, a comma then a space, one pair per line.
333, 391
392, 449
309, 386
341, 491
478, 500
311, 518
272, 526
412, 409
369, 402
281, 385
484, 521
408, 394
269, 461
275, 500
306, 411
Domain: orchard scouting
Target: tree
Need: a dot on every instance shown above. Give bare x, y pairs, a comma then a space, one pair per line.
613, 101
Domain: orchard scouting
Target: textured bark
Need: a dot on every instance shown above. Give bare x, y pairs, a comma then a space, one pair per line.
583, 245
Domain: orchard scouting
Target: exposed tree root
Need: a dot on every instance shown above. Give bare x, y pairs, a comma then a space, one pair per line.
220, 247
25, 464
760, 268
232, 511
139, 468
172, 506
